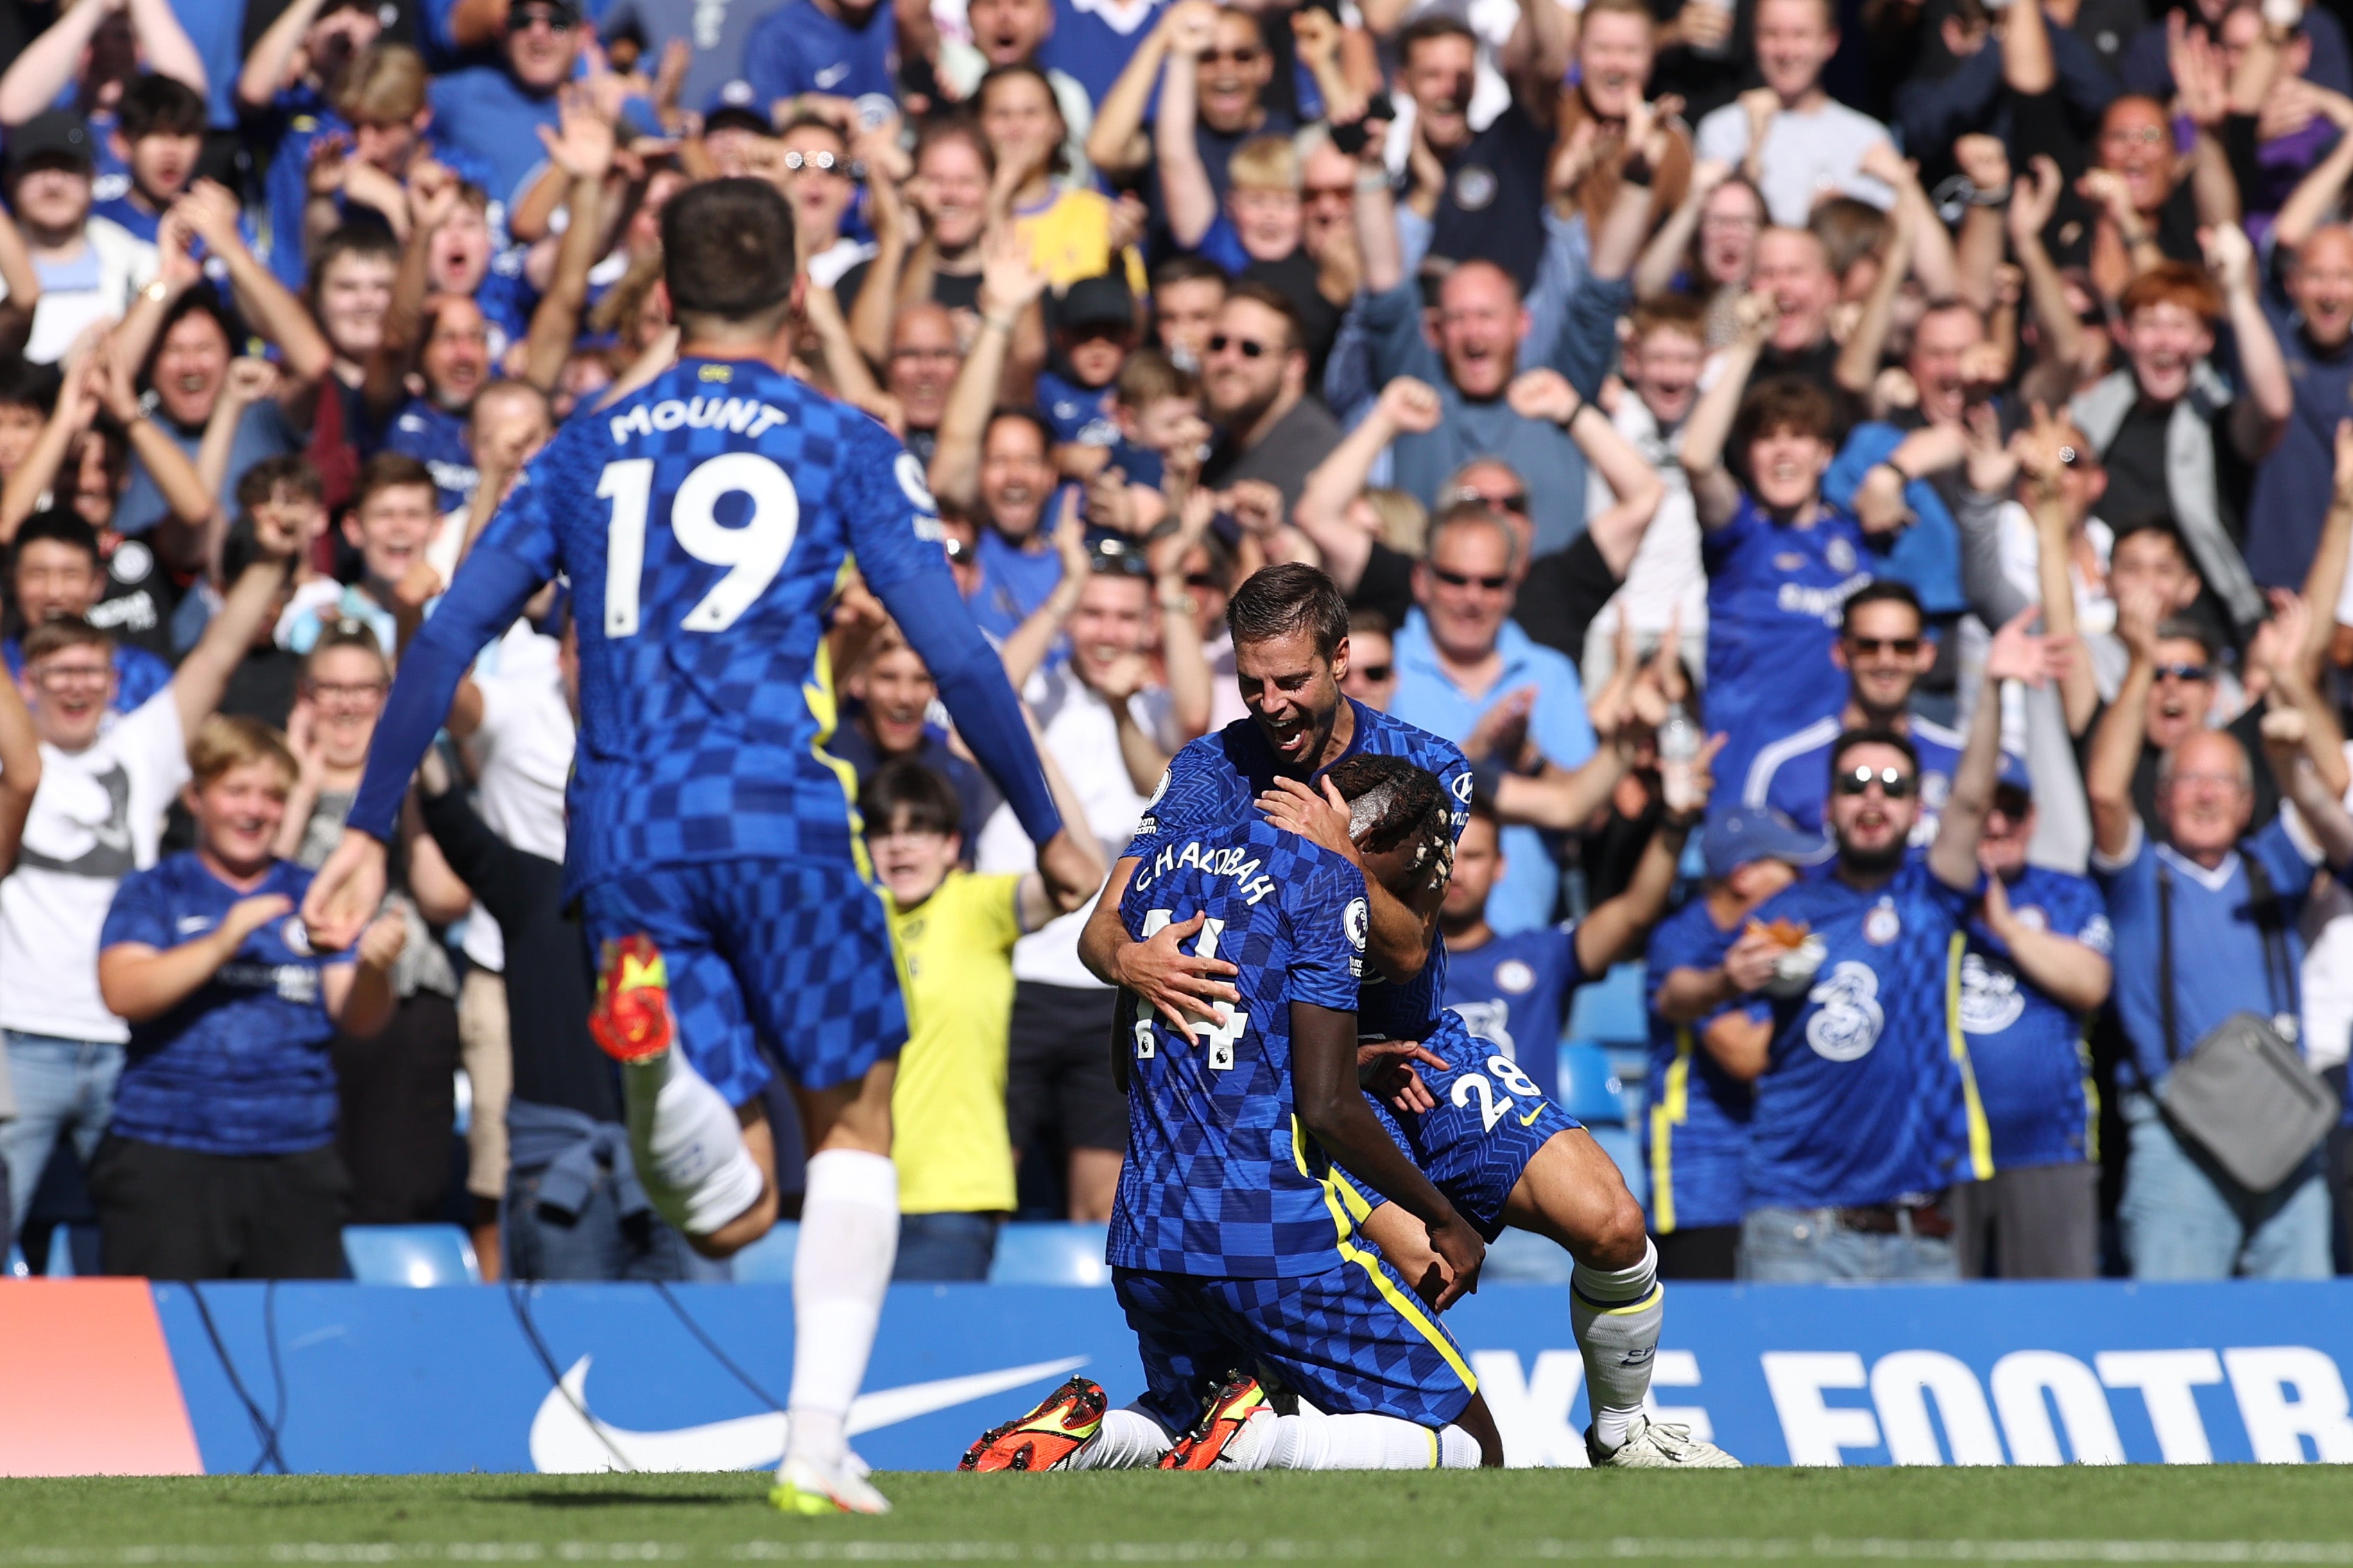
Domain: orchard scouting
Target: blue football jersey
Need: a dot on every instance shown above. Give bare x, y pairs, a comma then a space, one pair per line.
1866, 1096
1218, 778
1697, 1133
1775, 596
439, 439
723, 497
1512, 991
2032, 1065
1792, 773
1219, 1177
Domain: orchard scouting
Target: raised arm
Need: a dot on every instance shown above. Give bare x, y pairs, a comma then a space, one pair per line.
2027, 66
2117, 742
1010, 287
1188, 200
1634, 485
2259, 416
433, 198
581, 148
2041, 455
20, 772
2018, 655
1060, 883
1858, 362
138, 982
896, 231
23, 285
2317, 196
2071, 972
1117, 145
77, 408
1406, 406
2287, 735
2323, 583
270, 66
1715, 493
35, 79
1663, 257
1619, 928
2033, 198
163, 44
179, 538
1377, 241
1026, 649
203, 675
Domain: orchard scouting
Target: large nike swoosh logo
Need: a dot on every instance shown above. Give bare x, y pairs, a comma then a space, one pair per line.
1529, 1119
566, 1442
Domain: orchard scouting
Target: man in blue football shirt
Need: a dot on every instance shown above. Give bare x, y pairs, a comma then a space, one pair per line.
1781, 560
836, 48
1865, 1112
1884, 648
703, 522
2034, 971
1696, 1133
1233, 1243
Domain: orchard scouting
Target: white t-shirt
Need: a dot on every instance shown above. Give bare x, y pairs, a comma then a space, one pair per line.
2328, 975
1085, 739
1665, 580
1806, 156
97, 817
522, 757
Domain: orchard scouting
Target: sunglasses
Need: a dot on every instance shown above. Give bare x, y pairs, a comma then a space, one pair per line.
1243, 57
1894, 783
553, 21
1249, 348
1331, 193
2187, 672
1517, 503
1465, 580
1902, 648
1378, 674
1113, 557
824, 162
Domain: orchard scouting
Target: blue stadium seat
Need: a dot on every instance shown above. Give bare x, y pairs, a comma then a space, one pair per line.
769, 1261
1050, 1254
1610, 1011
61, 1262
18, 1268
410, 1254
1589, 1090
1519, 1258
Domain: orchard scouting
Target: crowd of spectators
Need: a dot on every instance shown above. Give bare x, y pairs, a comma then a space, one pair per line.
1932, 417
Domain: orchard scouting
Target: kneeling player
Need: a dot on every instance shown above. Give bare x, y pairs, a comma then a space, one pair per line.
1232, 1241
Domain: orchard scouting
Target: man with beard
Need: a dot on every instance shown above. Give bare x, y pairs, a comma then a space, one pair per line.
1254, 380
453, 363
1865, 1109
2311, 311
494, 112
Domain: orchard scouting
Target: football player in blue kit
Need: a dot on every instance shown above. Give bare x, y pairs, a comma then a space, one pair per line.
1290, 636
1233, 1245
705, 521
2034, 970
1866, 1112
1697, 1133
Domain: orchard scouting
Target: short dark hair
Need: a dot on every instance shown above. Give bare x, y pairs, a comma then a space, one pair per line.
372, 240
2188, 629
1277, 601
1021, 414
1850, 739
24, 385
65, 632
1783, 403
153, 105
391, 471
2159, 524
954, 126
727, 248
1405, 804
1882, 591
282, 470
57, 525
906, 786
1188, 267
200, 301
1366, 618
1294, 327
1436, 25
1058, 160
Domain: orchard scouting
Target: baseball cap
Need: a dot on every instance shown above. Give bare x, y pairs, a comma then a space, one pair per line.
566, 11
59, 139
1100, 300
737, 106
1757, 833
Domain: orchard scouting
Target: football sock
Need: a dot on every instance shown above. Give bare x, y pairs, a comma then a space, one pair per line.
849, 1236
687, 1144
1129, 1440
1615, 1314
1308, 1441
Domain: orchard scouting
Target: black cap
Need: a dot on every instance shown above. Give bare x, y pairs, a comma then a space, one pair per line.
569, 10
59, 139
1102, 300
737, 106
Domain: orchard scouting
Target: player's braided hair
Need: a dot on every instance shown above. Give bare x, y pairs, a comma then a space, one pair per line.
1391, 802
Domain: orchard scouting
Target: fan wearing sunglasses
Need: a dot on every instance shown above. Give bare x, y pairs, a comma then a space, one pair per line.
1866, 1111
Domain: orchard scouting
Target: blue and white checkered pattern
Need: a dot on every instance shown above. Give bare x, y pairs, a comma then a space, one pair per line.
1475, 1142
704, 523
1350, 1340
789, 955
1219, 1179
1215, 779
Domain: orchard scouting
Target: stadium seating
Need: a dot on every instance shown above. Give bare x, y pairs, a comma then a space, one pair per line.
1050, 1254
1609, 1012
416, 1255
769, 1261
1592, 1091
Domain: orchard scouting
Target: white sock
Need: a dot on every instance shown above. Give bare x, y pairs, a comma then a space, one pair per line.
1359, 1442
849, 1234
1128, 1440
687, 1144
1458, 1450
1616, 1315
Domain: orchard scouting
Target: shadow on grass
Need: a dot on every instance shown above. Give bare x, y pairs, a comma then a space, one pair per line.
623, 1498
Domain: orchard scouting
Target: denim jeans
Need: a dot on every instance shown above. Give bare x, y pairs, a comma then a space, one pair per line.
2183, 1218
598, 1243
936, 1246
59, 1084
1809, 1247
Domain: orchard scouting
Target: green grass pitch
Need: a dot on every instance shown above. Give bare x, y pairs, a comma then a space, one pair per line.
2233, 1514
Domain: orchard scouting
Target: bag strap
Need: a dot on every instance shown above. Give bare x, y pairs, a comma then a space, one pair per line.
2279, 974
2165, 956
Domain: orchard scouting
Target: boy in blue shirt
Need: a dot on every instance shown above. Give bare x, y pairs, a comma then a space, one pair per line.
220, 1162
1780, 559
1696, 1133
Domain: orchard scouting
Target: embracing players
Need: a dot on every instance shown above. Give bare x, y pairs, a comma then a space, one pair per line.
704, 523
